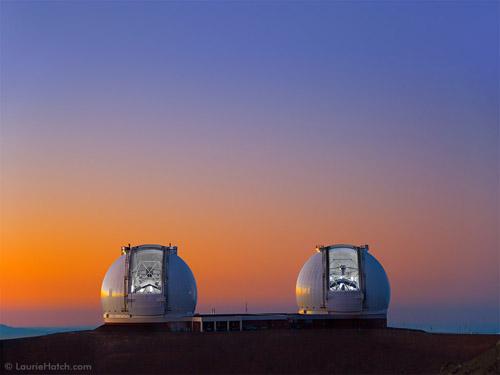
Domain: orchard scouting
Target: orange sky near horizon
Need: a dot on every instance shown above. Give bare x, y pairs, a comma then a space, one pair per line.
243, 241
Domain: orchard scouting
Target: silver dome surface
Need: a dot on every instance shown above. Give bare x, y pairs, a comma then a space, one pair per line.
148, 283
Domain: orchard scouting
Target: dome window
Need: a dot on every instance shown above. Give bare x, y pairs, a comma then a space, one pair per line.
146, 271
343, 270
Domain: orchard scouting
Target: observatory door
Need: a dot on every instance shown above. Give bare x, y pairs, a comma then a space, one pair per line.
344, 291
146, 282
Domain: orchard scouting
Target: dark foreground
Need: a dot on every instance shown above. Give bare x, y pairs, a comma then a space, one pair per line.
331, 351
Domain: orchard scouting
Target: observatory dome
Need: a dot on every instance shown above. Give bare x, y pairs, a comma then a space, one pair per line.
343, 279
148, 283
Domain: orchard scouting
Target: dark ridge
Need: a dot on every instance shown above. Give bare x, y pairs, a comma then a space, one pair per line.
150, 350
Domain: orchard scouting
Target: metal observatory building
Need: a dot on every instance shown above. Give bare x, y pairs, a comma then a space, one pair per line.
343, 280
148, 284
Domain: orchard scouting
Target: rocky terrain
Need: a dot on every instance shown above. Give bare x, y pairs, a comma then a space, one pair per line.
341, 351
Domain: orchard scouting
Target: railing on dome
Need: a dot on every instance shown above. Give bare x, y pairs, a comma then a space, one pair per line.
167, 251
126, 252
166, 257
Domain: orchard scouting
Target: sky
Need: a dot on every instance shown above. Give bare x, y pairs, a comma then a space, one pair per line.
247, 133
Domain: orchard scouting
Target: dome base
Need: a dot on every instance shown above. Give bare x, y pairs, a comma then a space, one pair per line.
124, 318
351, 315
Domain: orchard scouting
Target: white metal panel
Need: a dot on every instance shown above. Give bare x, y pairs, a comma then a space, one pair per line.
112, 296
378, 291
309, 287
350, 301
182, 292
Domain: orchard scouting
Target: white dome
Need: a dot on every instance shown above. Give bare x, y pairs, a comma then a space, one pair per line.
342, 279
160, 285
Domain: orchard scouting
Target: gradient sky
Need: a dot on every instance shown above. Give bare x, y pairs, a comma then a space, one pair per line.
247, 133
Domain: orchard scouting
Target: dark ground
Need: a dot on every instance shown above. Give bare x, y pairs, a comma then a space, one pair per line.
332, 351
